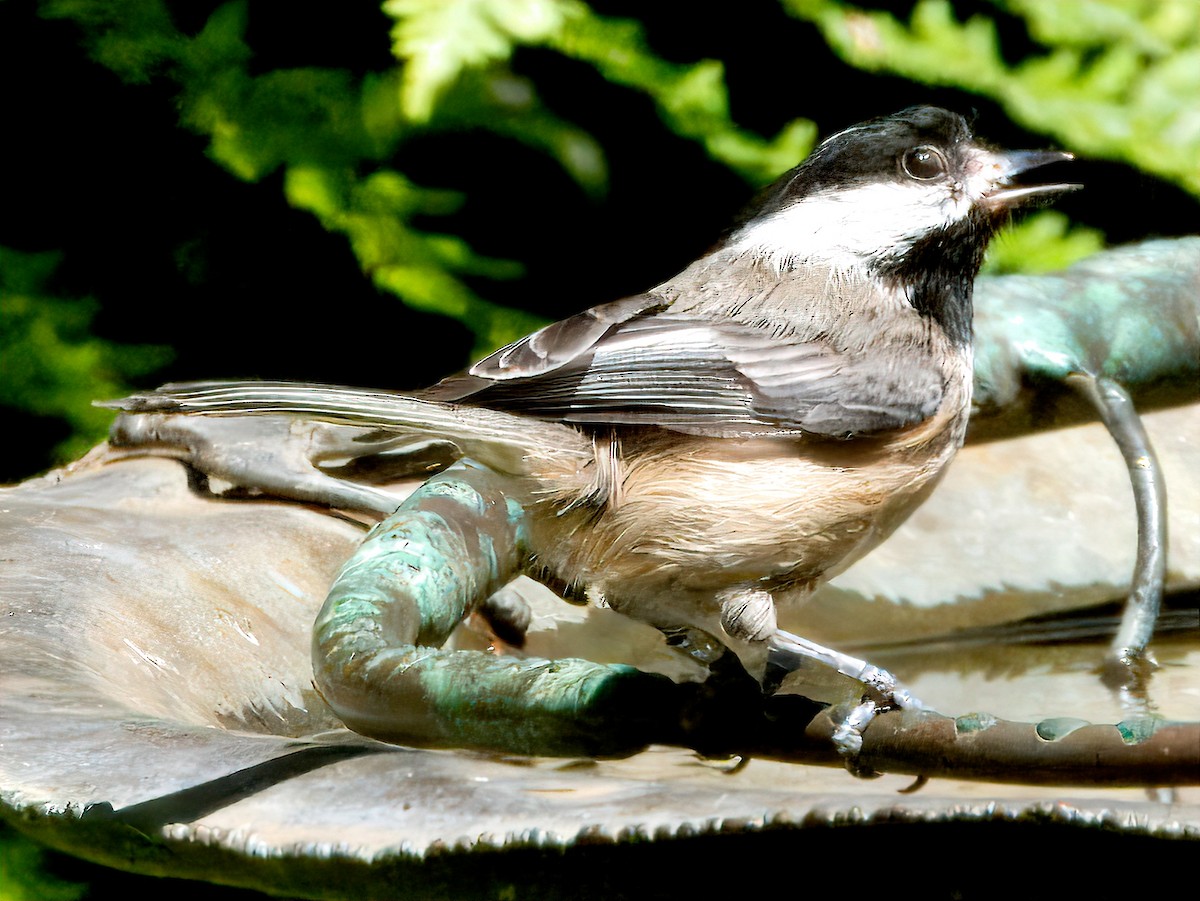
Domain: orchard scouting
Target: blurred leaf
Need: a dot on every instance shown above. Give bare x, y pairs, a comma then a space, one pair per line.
49, 364
416, 265
136, 39
1043, 242
24, 875
439, 40
1152, 26
506, 104
284, 116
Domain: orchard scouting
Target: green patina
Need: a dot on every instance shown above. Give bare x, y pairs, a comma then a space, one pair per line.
974, 722
450, 545
1136, 731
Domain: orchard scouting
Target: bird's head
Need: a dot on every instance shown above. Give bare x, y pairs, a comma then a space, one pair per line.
868, 196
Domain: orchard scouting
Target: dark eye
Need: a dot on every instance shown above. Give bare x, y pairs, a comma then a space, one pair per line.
924, 163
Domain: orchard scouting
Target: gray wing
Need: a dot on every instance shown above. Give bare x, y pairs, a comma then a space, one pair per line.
634, 362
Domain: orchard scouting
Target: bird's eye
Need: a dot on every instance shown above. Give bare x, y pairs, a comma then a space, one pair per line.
924, 163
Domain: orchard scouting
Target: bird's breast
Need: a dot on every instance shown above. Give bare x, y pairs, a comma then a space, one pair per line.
686, 513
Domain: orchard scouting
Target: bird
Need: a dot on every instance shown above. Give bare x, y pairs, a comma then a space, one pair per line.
749, 427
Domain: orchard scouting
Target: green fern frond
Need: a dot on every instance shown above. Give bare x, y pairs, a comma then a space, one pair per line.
439, 40
691, 98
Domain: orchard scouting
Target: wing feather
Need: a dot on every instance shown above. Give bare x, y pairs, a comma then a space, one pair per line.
634, 362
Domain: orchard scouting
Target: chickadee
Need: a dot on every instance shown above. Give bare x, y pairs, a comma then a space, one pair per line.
758, 421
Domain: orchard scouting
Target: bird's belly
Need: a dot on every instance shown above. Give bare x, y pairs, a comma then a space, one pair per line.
718, 513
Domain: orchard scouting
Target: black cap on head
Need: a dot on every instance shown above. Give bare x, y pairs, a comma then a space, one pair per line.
871, 151
875, 150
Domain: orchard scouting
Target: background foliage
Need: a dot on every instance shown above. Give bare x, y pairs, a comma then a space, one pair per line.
371, 194
375, 194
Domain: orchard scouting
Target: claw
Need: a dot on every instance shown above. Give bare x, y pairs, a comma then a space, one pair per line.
848, 737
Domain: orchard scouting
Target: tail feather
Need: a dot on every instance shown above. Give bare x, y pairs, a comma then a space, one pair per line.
491, 436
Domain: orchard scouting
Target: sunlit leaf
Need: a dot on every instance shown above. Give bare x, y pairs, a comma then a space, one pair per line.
438, 40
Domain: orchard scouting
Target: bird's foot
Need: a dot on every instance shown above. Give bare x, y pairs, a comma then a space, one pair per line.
880, 691
890, 695
884, 693
848, 737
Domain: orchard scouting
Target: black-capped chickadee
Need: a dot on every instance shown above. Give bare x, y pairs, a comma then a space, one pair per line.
755, 423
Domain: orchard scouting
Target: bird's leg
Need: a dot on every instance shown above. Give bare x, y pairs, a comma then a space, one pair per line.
748, 614
788, 652
505, 617
695, 644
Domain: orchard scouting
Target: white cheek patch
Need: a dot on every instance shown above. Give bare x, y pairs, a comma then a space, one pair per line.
847, 228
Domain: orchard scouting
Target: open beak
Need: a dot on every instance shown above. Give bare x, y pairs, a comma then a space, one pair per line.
1005, 165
